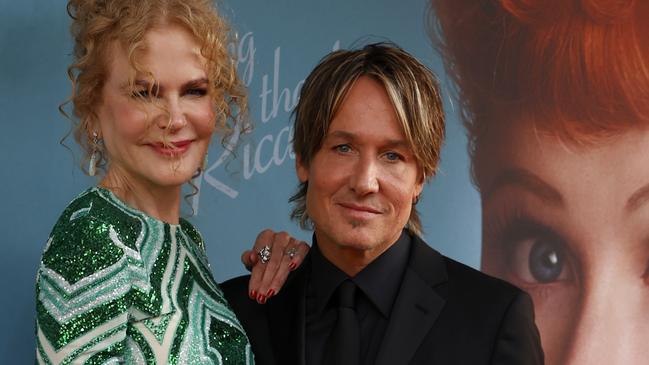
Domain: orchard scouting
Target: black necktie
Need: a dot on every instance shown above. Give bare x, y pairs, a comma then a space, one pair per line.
343, 346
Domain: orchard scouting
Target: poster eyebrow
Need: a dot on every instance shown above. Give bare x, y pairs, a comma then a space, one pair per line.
638, 198
526, 180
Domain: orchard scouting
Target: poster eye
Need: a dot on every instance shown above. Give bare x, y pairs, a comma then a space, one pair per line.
539, 259
545, 261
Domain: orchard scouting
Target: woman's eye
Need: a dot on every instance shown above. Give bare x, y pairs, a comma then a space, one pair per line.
197, 92
540, 259
144, 93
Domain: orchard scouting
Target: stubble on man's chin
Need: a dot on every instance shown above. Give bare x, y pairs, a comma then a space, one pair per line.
355, 224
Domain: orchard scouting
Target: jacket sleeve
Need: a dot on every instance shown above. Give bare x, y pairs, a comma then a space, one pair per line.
518, 341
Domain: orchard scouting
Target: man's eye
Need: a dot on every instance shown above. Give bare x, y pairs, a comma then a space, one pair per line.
343, 148
392, 156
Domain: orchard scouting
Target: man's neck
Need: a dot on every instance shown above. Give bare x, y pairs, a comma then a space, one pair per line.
350, 260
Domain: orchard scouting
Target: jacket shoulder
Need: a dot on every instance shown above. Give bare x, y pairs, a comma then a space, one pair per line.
467, 278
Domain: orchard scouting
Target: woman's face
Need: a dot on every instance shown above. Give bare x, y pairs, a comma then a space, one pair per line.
570, 225
158, 139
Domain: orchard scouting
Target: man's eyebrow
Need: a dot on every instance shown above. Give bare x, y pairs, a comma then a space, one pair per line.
638, 198
526, 180
392, 143
340, 134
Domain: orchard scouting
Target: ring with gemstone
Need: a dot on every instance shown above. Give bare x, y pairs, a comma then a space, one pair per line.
291, 252
264, 254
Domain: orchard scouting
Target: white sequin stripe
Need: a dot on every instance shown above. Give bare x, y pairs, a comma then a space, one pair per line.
136, 355
61, 356
128, 211
140, 278
150, 249
167, 275
249, 356
81, 212
118, 242
63, 310
193, 248
207, 277
83, 284
161, 349
199, 304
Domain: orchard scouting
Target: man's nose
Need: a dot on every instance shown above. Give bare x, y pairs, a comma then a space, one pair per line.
611, 327
365, 176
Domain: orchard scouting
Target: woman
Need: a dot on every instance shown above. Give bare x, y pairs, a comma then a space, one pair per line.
556, 102
123, 278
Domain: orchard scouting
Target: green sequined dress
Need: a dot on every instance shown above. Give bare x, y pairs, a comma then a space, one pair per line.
116, 286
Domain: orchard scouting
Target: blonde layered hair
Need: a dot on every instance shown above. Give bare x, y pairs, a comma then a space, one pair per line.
96, 24
411, 87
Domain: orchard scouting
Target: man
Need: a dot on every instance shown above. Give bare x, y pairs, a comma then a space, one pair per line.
368, 133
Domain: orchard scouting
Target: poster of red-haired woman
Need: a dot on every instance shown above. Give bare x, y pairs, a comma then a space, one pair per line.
555, 100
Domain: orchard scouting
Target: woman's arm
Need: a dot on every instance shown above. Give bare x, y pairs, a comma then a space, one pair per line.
82, 295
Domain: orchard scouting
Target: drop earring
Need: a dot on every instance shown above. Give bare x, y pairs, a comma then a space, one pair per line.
204, 166
95, 155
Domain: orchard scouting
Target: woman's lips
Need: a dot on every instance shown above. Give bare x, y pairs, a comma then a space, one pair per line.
171, 148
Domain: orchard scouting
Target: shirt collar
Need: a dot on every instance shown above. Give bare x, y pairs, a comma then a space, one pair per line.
379, 281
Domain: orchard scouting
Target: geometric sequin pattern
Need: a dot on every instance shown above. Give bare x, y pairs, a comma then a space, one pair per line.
116, 286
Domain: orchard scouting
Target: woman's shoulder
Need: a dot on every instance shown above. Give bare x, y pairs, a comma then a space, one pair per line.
94, 204
91, 234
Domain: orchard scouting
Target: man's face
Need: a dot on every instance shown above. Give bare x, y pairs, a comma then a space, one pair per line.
363, 180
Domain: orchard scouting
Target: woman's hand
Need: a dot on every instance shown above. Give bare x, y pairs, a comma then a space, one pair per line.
269, 274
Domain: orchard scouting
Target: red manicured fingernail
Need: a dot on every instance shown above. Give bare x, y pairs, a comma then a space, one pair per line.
292, 266
261, 299
252, 294
270, 293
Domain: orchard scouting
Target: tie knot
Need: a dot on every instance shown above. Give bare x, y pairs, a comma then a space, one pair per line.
346, 294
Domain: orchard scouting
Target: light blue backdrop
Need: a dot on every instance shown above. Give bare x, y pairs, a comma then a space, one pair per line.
281, 41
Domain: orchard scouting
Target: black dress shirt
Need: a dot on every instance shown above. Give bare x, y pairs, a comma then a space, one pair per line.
378, 286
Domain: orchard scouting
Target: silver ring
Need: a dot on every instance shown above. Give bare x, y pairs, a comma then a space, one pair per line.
291, 252
264, 254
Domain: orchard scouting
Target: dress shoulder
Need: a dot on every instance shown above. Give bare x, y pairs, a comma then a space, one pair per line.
84, 283
90, 235
193, 233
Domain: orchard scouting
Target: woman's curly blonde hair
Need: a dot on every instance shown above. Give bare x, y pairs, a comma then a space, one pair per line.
96, 24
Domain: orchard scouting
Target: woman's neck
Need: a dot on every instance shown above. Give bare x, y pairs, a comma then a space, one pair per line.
160, 202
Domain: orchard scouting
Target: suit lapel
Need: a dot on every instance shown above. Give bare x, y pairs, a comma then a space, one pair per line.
286, 317
417, 305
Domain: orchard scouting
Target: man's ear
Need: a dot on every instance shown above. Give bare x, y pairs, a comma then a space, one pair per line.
419, 186
301, 170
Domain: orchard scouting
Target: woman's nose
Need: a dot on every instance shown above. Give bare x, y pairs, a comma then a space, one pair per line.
612, 326
174, 117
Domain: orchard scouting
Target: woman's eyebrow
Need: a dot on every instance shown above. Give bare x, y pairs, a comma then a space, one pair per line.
526, 180
157, 87
197, 82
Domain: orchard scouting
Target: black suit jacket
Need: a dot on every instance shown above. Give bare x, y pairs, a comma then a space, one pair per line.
445, 313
